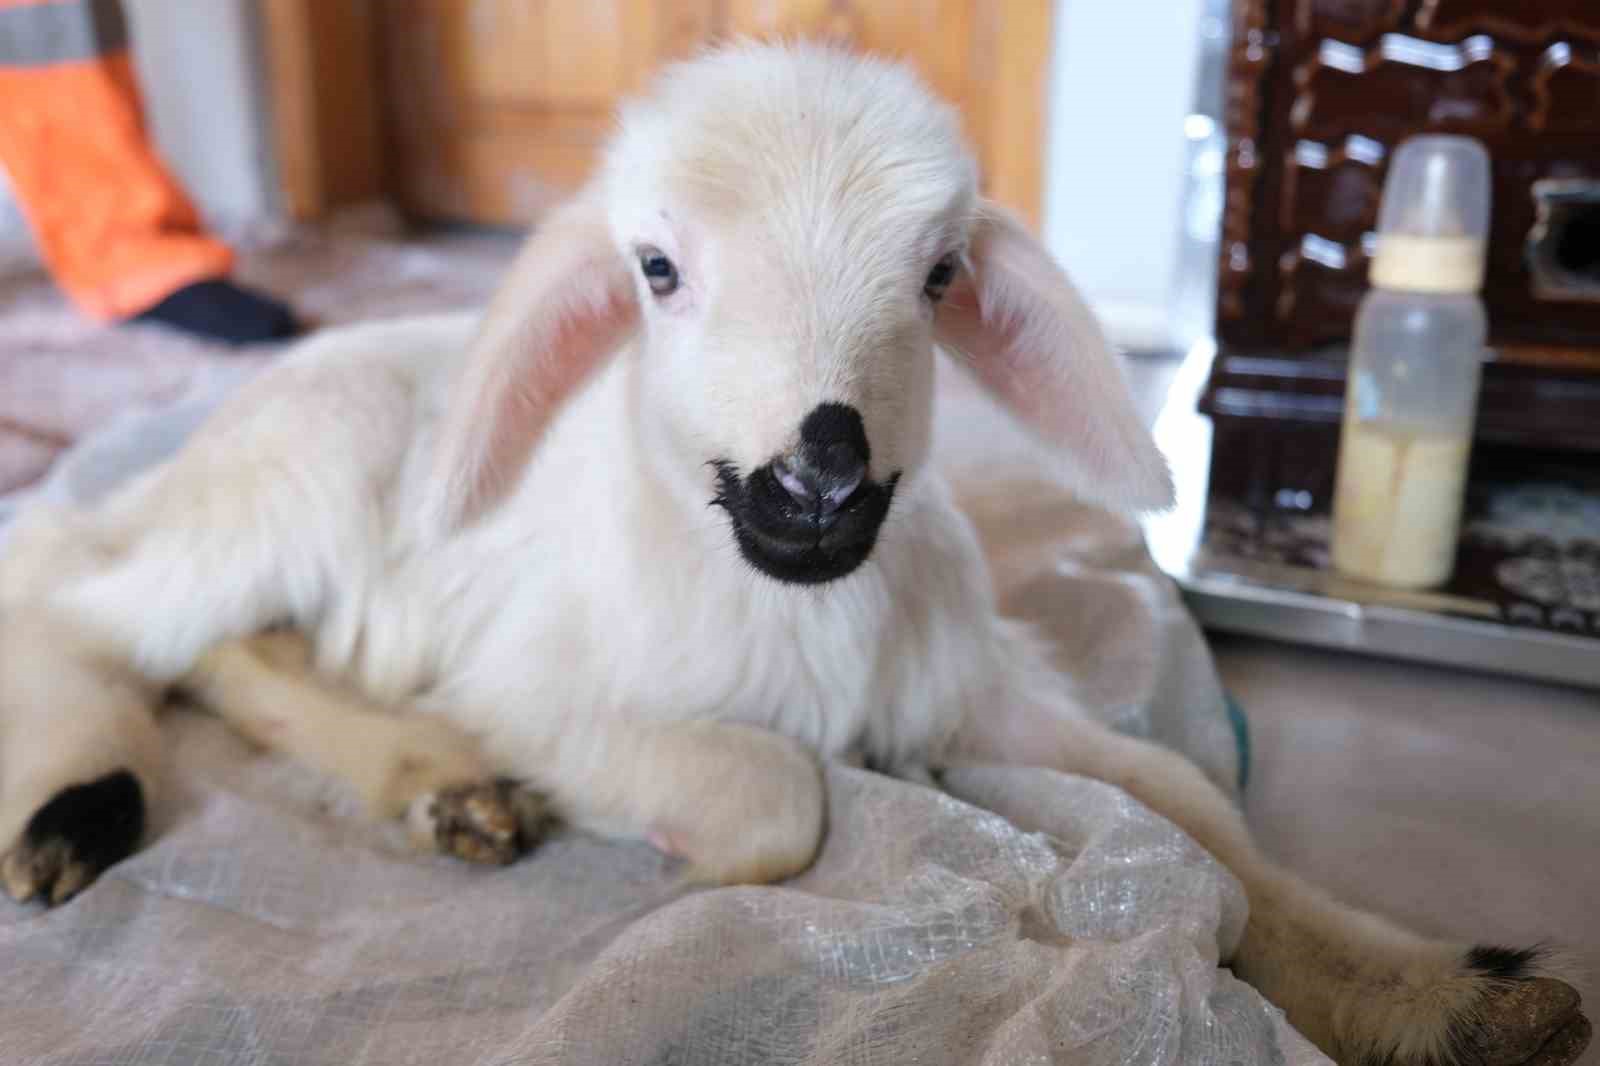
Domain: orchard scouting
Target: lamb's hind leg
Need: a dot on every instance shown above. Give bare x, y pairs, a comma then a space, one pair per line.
1361, 988
269, 512
419, 766
79, 758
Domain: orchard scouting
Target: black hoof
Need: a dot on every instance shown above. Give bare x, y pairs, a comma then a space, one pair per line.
1523, 1018
72, 839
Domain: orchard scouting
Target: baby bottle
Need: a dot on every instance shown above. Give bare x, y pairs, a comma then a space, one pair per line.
1415, 360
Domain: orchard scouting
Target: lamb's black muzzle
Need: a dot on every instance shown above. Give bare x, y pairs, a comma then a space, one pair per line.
814, 515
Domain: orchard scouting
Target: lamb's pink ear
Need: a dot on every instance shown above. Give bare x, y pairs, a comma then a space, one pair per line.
1035, 345
566, 304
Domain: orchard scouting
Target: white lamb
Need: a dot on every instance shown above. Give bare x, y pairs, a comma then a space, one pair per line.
509, 565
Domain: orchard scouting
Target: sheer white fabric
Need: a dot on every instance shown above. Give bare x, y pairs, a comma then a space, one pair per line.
1021, 916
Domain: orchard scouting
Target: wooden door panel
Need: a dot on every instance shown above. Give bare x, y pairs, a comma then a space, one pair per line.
935, 36
498, 107
561, 54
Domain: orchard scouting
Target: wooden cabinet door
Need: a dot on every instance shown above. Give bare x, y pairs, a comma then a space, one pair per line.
1320, 94
499, 106
988, 57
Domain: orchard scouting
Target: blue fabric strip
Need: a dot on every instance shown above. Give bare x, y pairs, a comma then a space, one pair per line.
1241, 736
65, 31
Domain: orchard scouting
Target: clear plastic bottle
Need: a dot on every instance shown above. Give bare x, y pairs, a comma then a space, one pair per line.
1415, 365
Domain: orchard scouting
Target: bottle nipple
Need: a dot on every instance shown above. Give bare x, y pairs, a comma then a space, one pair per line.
1433, 225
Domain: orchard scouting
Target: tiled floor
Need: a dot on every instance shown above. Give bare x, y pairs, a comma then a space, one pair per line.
1465, 806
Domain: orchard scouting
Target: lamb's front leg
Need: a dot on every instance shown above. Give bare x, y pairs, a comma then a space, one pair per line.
1360, 987
422, 767
742, 805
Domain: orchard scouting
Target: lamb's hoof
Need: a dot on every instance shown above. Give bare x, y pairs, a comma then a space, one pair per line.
1565, 1047
492, 822
1532, 1022
72, 839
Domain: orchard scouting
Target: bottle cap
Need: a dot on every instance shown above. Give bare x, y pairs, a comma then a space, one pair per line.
1433, 225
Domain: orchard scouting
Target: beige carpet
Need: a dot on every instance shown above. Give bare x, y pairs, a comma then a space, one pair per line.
62, 374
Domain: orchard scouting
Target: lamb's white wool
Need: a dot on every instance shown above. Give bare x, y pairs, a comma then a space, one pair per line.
509, 524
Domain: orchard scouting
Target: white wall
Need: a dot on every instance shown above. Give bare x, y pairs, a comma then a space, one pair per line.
201, 76
203, 80
1117, 159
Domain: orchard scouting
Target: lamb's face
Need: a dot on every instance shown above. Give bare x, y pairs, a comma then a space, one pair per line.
778, 227
790, 247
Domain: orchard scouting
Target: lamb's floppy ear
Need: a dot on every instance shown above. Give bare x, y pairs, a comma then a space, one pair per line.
1034, 343
566, 304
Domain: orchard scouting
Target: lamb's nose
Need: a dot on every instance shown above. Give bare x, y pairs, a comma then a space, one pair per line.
819, 489
830, 463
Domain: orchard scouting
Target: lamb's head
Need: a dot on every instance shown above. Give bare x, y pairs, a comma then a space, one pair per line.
794, 217
789, 232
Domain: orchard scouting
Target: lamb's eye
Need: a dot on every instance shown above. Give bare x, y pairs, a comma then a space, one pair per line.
939, 278
658, 271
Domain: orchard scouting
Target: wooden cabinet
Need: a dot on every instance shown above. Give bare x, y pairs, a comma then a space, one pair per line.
496, 107
1320, 94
